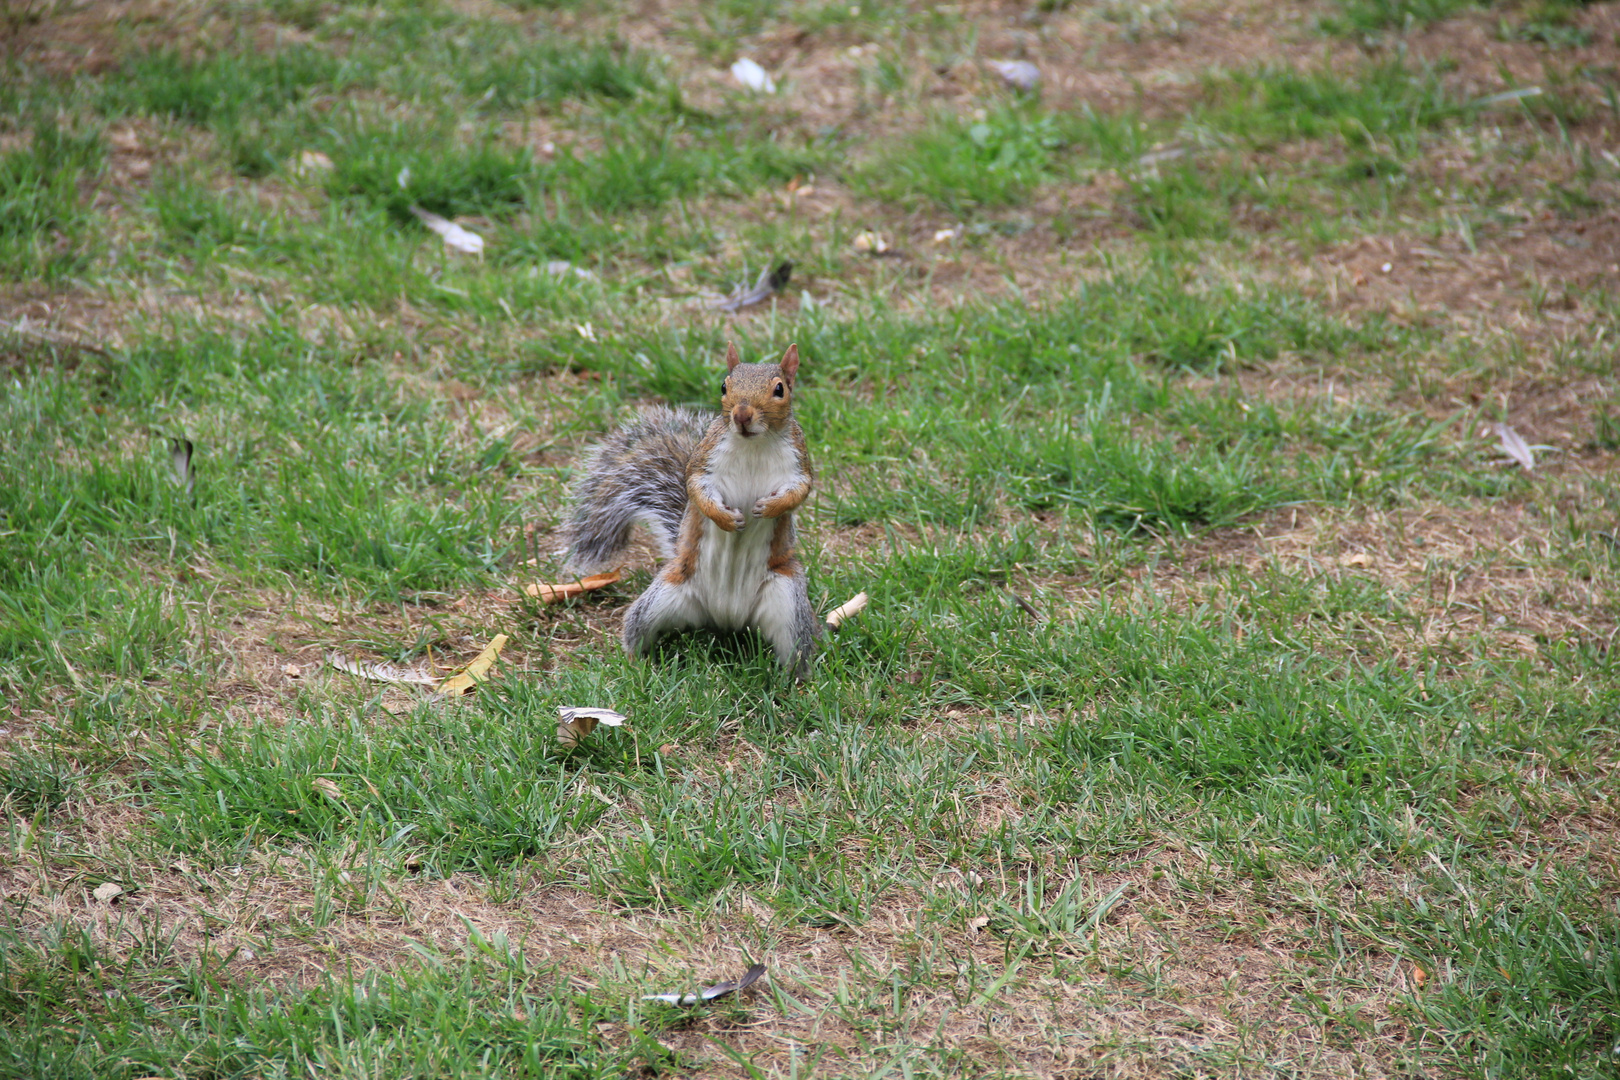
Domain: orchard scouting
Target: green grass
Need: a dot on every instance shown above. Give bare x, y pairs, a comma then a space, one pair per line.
972, 163
44, 223
1215, 668
1363, 16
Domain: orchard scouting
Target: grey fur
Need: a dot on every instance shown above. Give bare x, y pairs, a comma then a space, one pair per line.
636, 474
665, 608
639, 474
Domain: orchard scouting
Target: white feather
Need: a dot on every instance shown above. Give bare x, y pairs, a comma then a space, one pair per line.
454, 235
1515, 447
752, 76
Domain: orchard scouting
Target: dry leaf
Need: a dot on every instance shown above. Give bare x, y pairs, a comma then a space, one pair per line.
550, 594
106, 892
753, 77
945, 236
559, 267
1515, 447
1018, 74
311, 162
1419, 976
870, 242
475, 672
379, 672
577, 721
454, 235
847, 610
327, 787
292, 671
978, 922
1507, 96
771, 281
708, 994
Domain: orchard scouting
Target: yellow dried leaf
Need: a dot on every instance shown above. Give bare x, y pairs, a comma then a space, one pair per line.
326, 787
476, 672
1419, 976
548, 593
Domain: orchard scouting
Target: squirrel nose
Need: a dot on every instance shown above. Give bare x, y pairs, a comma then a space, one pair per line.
742, 416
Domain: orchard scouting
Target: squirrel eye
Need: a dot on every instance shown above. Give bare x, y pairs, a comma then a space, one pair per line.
780, 391
724, 383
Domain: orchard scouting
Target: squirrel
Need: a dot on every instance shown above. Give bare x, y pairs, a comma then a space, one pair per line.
685, 476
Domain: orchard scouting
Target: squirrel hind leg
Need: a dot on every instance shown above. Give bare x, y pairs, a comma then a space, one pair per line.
785, 618
659, 611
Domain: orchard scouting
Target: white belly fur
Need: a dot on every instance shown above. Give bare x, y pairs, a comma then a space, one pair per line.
731, 567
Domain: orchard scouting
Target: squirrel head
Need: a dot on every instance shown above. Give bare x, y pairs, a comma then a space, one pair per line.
758, 397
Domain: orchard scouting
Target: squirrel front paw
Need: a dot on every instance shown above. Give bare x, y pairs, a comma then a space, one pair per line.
761, 503
737, 519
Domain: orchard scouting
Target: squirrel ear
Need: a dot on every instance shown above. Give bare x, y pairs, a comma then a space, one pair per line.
790, 362
732, 359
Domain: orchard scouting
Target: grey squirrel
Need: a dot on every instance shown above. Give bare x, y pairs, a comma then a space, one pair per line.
685, 477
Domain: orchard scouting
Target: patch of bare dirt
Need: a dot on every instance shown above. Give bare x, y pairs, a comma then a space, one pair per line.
1191, 966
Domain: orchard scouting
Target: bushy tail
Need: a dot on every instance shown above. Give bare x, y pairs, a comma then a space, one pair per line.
636, 474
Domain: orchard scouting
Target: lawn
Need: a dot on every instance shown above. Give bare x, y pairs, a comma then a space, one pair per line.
1225, 430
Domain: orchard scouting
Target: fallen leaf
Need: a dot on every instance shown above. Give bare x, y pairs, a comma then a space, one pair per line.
559, 267
1507, 96
327, 787
708, 994
1419, 976
1514, 446
475, 672
753, 77
310, 162
454, 235
548, 593
574, 722
292, 671
870, 242
945, 236
107, 891
847, 610
1168, 153
978, 922
1018, 74
586, 331
771, 281
379, 672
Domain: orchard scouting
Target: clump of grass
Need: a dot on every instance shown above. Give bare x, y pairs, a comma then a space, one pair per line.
221, 88
1275, 105
964, 164
1364, 16
445, 175
78, 1010
42, 216
552, 69
195, 218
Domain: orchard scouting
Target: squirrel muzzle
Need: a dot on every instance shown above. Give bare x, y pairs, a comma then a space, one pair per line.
743, 417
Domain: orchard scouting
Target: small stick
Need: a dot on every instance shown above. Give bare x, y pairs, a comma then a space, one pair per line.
847, 610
